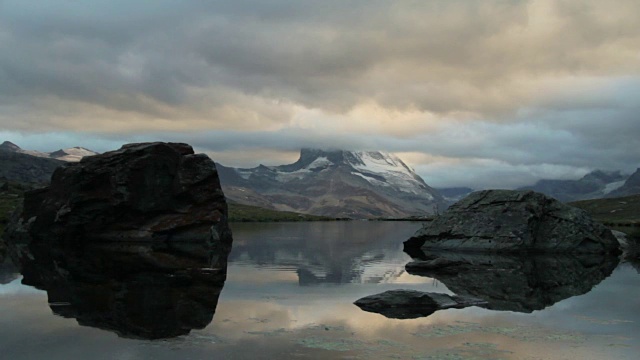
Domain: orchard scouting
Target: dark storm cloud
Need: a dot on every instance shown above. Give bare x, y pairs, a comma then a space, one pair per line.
534, 88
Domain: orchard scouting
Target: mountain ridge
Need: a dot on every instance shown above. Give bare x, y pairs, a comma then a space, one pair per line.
337, 183
596, 184
73, 154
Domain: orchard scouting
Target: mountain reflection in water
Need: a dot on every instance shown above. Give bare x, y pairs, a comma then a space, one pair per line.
322, 253
137, 290
521, 283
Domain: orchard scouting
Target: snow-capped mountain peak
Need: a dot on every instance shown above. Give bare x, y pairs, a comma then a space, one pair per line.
386, 169
73, 154
339, 183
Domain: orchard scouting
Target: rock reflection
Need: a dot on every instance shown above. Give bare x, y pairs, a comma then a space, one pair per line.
522, 283
137, 290
8, 271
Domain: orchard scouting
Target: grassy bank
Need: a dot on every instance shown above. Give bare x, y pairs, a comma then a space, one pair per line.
247, 213
621, 213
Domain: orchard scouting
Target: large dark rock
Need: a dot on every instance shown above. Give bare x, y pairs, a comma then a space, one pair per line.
514, 221
149, 191
411, 304
521, 283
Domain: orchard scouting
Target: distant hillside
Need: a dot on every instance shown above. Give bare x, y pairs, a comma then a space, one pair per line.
35, 167
454, 194
247, 213
630, 187
622, 213
621, 209
596, 184
73, 154
25, 168
335, 183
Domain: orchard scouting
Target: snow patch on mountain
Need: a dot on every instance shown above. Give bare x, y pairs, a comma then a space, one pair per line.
34, 153
613, 186
321, 162
388, 166
371, 180
73, 154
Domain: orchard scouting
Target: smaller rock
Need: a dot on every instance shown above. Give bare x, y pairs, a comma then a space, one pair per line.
411, 304
514, 221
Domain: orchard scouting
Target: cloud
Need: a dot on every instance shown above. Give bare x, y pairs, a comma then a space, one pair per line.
521, 84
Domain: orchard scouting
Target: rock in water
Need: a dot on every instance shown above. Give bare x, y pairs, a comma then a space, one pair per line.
514, 221
411, 304
148, 191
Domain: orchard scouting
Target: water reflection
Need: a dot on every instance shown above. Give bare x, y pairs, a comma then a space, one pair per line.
521, 283
137, 290
264, 313
321, 253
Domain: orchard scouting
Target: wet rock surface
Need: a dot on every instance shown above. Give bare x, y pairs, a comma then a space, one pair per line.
517, 283
148, 191
514, 221
411, 304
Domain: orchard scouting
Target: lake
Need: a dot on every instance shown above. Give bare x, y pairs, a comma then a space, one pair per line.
289, 293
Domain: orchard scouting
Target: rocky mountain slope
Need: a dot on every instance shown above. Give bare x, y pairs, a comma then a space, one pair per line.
454, 194
596, 184
25, 168
73, 154
336, 183
630, 187
35, 167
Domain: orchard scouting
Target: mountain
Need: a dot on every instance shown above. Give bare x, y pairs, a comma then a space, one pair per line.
25, 168
29, 166
73, 154
454, 194
630, 187
336, 183
9, 146
595, 184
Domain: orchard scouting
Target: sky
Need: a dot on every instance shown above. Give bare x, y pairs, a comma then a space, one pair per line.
485, 94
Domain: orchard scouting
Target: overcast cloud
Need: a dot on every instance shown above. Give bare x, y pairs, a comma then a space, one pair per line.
475, 93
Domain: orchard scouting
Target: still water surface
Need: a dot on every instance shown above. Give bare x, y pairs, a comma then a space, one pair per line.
289, 294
